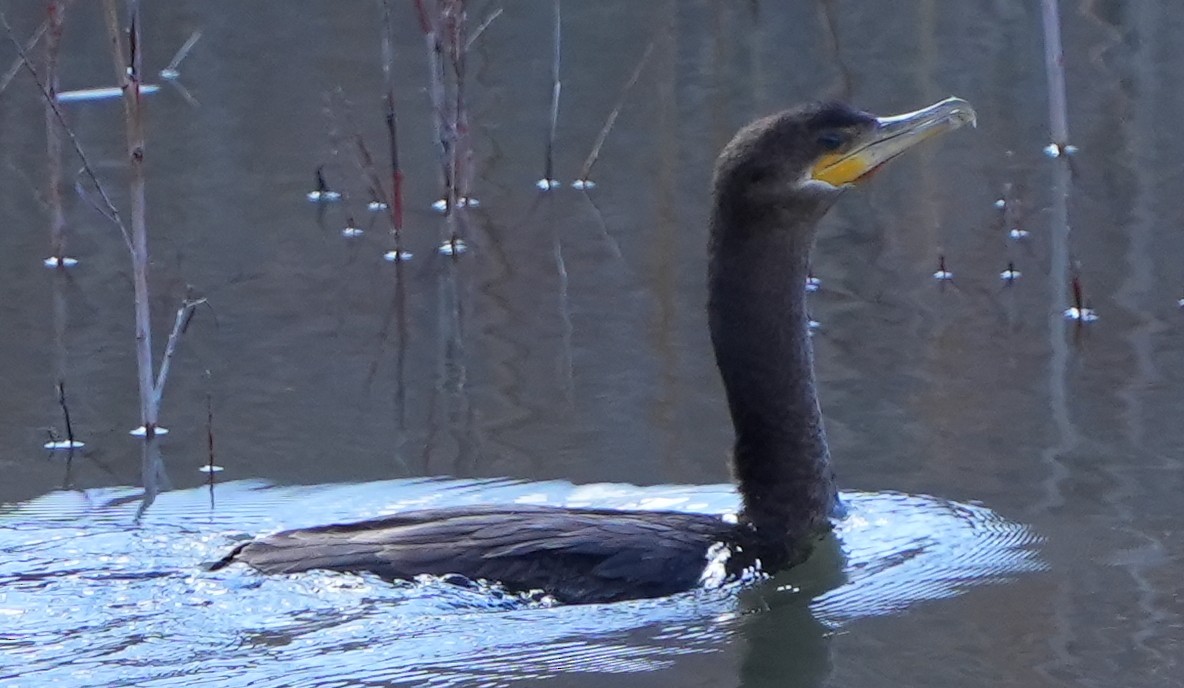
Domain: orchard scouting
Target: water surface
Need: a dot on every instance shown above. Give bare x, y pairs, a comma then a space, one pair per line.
569, 345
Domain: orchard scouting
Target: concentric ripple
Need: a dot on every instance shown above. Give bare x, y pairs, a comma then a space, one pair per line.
88, 597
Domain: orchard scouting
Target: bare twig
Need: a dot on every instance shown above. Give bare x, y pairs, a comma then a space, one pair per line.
211, 467
129, 75
98, 208
180, 325
395, 203
462, 150
481, 28
8, 76
443, 24
458, 125
111, 211
366, 163
53, 136
436, 88
71, 444
586, 169
346, 132
172, 70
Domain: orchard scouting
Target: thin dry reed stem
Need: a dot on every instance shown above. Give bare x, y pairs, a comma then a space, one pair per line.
462, 151
66, 414
395, 203
182, 52
457, 125
586, 169
481, 28
9, 75
428, 20
443, 23
556, 87
1054, 63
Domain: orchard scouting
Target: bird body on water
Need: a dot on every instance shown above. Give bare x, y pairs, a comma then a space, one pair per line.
773, 182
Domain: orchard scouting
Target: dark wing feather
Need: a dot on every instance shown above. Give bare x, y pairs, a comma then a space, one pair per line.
577, 555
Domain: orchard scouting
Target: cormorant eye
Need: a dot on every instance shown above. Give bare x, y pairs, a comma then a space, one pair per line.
831, 141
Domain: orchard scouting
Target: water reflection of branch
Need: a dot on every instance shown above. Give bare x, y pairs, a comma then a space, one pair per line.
1053, 456
152, 474
400, 310
1059, 268
835, 53
1136, 94
452, 376
564, 306
211, 466
613, 246
395, 318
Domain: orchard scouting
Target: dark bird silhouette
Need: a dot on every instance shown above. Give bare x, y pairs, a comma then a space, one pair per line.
773, 182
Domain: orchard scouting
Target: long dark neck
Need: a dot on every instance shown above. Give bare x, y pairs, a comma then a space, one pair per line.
757, 312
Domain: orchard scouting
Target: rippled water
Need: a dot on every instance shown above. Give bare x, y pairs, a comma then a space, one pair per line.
90, 594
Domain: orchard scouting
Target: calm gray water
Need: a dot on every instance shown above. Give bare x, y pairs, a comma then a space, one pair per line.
564, 359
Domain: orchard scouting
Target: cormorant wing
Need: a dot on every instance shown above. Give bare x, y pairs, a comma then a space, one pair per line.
576, 555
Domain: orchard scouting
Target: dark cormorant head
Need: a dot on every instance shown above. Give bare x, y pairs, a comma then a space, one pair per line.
800, 159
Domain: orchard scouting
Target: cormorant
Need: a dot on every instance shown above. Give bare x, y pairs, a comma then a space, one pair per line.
773, 182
